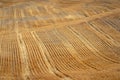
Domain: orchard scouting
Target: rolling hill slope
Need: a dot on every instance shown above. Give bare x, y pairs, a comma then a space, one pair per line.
59, 40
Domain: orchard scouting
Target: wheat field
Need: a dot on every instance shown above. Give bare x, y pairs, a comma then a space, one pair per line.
59, 40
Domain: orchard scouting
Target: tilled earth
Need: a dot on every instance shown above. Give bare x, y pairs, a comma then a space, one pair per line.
59, 40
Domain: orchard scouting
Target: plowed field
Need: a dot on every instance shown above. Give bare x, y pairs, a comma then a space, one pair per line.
59, 40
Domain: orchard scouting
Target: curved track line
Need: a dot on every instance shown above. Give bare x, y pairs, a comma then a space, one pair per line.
24, 57
50, 64
72, 50
90, 46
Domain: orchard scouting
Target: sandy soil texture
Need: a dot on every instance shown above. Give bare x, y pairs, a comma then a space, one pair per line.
59, 40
